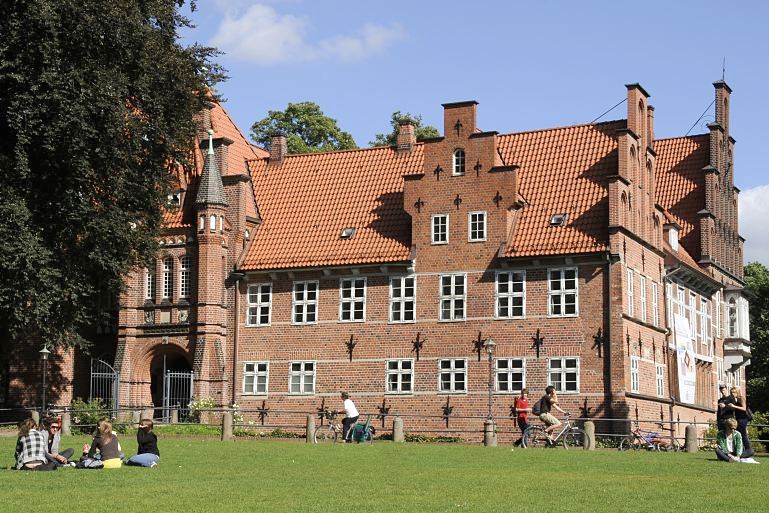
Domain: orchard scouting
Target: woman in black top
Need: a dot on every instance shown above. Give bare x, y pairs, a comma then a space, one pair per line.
740, 409
148, 454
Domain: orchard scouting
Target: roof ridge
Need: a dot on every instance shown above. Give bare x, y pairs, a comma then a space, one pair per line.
681, 137
564, 127
348, 150
240, 133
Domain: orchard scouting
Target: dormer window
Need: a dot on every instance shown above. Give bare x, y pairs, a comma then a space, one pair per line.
174, 200
558, 219
459, 162
673, 234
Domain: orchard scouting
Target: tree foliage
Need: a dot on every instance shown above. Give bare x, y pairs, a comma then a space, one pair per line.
757, 283
97, 103
422, 131
307, 128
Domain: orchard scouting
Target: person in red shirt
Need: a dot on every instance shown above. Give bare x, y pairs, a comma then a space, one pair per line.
521, 408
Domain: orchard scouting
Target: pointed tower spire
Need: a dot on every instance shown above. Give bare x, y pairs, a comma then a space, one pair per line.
210, 189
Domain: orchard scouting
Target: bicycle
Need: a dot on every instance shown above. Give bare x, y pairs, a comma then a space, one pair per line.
570, 436
330, 432
649, 440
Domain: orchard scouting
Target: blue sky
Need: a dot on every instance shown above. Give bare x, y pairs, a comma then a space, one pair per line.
529, 64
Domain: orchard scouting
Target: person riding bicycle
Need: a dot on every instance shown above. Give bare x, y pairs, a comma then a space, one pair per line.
546, 404
350, 416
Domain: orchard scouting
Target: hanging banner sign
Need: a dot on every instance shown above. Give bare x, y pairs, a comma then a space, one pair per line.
687, 371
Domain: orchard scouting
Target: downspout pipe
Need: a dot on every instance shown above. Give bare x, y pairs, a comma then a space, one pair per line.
237, 277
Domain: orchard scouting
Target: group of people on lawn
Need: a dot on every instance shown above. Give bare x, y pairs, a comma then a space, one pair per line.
732, 419
38, 447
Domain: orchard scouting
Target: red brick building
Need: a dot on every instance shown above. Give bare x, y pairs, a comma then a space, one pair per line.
284, 279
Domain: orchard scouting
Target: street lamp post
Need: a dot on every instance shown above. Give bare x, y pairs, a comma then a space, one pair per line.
44, 354
489, 436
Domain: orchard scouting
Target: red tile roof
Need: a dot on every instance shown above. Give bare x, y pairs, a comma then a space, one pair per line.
238, 153
562, 171
681, 183
307, 200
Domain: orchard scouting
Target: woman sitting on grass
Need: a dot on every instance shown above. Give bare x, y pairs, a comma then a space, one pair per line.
148, 454
729, 442
30, 448
107, 444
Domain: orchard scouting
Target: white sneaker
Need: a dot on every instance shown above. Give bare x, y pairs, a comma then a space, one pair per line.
154, 464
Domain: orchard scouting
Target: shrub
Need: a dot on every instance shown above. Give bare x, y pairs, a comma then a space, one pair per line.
423, 439
275, 433
85, 414
198, 406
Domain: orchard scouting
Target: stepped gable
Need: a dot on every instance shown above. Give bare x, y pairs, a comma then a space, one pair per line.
305, 202
562, 171
681, 183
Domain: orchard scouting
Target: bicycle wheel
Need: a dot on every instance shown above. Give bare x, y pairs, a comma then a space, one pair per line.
324, 434
629, 443
534, 437
574, 439
674, 445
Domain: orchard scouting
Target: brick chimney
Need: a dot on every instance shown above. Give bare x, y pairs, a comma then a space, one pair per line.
407, 136
278, 146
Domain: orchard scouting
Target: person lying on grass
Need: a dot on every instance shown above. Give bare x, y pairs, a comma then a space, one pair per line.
147, 454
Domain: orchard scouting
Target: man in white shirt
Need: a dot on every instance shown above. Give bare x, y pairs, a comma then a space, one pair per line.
350, 416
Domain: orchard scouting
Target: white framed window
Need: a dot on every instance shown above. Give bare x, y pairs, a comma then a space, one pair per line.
630, 294
305, 302
706, 320
301, 378
400, 376
459, 162
185, 277
635, 379
642, 296
439, 231
562, 290
655, 305
511, 294
476, 226
168, 277
453, 295
255, 375
403, 299
452, 375
738, 377
149, 281
563, 374
691, 314
509, 374
259, 309
659, 373
202, 223
212, 223
732, 318
352, 299
717, 331
670, 302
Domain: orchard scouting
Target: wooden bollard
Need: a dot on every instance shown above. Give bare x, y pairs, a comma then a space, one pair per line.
589, 441
309, 432
227, 426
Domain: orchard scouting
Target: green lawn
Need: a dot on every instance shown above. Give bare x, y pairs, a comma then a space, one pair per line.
259, 476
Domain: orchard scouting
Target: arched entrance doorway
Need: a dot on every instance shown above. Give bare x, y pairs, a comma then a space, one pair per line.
171, 381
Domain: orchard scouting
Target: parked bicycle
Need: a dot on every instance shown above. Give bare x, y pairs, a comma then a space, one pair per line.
649, 440
569, 436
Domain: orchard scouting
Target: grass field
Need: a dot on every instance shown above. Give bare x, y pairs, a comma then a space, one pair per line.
261, 476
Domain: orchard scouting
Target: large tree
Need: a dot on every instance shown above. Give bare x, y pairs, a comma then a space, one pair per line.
307, 128
421, 130
97, 102
757, 283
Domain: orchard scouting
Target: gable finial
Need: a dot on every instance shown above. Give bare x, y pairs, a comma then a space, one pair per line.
210, 142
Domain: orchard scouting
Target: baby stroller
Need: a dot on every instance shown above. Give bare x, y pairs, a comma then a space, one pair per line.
363, 432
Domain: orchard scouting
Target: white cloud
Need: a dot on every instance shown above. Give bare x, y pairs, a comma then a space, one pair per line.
754, 214
263, 36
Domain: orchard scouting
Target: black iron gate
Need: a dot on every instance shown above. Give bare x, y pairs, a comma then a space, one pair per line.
105, 384
177, 394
